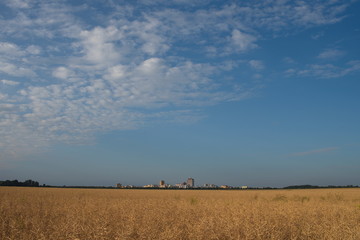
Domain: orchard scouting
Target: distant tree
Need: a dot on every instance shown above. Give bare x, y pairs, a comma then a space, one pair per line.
31, 183
301, 187
27, 183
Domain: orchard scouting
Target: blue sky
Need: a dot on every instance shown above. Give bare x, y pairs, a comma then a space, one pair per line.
258, 93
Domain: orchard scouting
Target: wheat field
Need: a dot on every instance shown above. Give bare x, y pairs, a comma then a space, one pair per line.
85, 214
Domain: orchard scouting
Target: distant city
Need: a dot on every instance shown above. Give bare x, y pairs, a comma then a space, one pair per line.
190, 183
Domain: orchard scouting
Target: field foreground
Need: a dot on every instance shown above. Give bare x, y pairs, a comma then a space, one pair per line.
85, 214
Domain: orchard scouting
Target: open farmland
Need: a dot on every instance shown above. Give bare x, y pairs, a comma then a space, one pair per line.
50, 213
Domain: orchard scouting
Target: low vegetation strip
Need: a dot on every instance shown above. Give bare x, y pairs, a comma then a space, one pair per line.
85, 214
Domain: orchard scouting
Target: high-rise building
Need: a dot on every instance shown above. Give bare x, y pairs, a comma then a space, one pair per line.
162, 183
191, 182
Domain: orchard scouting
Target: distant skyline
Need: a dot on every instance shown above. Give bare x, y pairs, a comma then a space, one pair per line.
257, 93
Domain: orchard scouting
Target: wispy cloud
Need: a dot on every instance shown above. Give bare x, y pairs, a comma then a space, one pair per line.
325, 70
331, 54
312, 152
317, 35
9, 82
256, 64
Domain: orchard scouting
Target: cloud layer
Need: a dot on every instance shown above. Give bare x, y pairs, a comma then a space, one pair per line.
71, 71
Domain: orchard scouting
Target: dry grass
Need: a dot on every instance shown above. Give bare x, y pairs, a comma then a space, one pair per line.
44, 213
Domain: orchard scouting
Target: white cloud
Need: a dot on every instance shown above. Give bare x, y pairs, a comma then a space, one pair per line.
75, 111
151, 66
32, 49
62, 73
317, 35
98, 47
13, 70
9, 82
3, 96
326, 70
9, 49
289, 60
353, 67
116, 72
284, 14
242, 41
154, 42
18, 3
331, 54
256, 64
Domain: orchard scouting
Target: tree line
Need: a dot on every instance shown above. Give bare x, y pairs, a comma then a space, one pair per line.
27, 183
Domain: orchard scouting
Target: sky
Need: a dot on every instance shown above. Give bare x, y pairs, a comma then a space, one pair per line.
256, 93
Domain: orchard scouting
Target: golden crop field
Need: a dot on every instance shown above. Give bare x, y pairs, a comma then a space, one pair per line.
85, 214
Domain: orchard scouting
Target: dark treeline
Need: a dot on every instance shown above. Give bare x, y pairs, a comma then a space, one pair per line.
27, 183
301, 187
91, 187
314, 186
